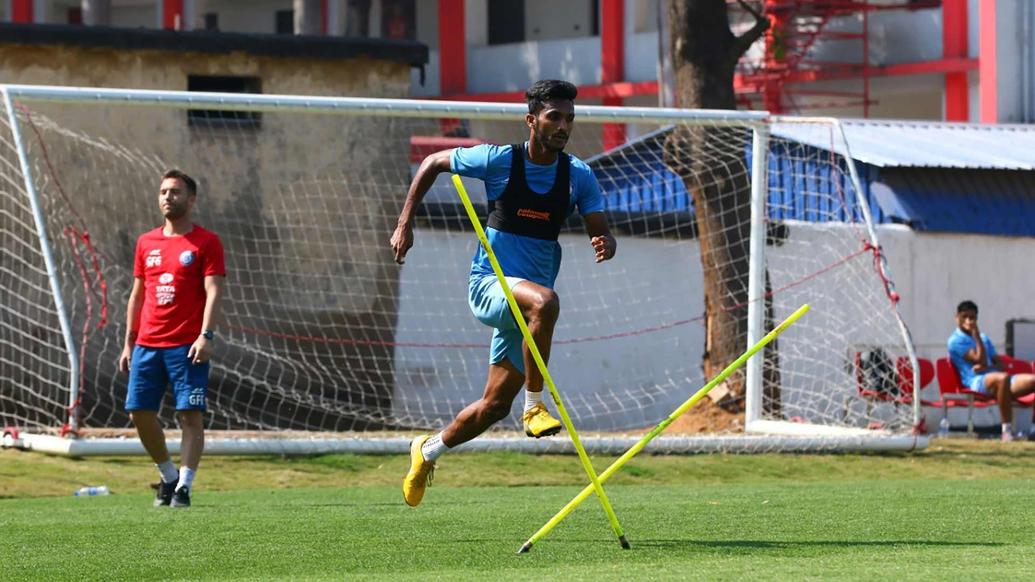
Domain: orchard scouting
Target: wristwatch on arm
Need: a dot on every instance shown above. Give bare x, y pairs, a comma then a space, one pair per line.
208, 334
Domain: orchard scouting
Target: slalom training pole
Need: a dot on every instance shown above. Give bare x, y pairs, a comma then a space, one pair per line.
534, 350
662, 426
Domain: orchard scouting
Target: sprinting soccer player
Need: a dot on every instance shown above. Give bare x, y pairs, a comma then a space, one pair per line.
178, 279
532, 189
981, 369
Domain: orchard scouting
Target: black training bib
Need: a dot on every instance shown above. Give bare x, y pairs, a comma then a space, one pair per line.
521, 211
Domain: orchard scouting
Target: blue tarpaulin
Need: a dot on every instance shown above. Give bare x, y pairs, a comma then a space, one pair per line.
810, 182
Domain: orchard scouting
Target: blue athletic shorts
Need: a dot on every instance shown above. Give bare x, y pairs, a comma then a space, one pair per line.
489, 305
152, 369
977, 384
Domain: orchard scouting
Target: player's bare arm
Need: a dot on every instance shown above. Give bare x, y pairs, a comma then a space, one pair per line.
604, 244
977, 356
967, 322
430, 168
135, 304
201, 350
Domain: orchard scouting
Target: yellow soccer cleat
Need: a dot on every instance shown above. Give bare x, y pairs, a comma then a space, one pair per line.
420, 474
539, 423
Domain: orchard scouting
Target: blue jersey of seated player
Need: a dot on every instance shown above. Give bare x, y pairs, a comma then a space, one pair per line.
520, 256
959, 344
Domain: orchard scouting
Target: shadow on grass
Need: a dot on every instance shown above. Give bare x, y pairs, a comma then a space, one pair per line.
361, 504
754, 545
748, 547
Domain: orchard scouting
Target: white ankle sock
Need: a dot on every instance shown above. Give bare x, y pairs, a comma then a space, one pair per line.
532, 398
433, 448
186, 478
168, 471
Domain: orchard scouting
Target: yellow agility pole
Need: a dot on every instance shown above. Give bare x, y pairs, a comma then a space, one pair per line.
534, 349
662, 426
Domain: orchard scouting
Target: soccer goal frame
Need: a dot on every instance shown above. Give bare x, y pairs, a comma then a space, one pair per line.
759, 433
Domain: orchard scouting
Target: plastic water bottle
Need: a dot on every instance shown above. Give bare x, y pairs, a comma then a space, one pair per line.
943, 426
91, 491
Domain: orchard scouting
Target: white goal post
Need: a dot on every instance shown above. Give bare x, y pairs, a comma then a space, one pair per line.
331, 347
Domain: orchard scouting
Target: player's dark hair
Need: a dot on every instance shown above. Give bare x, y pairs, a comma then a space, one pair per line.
542, 92
966, 305
192, 186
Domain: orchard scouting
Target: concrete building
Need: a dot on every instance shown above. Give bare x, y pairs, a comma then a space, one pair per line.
248, 166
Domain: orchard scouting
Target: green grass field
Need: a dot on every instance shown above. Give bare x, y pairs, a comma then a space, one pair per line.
960, 510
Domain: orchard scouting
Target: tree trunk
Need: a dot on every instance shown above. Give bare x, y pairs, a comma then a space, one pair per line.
711, 162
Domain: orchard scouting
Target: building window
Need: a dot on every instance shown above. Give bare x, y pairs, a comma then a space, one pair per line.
210, 118
285, 22
506, 21
399, 19
211, 21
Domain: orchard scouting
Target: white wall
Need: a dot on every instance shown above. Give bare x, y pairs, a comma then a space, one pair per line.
427, 22
937, 271
594, 376
896, 36
513, 67
476, 22
1015, 77
254, 16
636, 380
135, 16
432, 86
547, 20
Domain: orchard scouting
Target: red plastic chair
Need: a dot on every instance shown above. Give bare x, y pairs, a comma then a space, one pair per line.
904, 373
905, 380
1015, 366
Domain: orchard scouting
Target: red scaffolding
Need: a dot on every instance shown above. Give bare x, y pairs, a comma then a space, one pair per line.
781, 78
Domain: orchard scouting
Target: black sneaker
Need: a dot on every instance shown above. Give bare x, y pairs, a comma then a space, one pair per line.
181, 497
164, 492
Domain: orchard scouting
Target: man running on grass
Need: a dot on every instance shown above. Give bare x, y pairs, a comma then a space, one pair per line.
531, 188
178, 278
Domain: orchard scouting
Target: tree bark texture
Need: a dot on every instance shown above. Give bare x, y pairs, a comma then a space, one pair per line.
712, 163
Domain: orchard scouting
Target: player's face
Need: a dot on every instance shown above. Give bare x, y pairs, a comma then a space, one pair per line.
553, 124
966, 320
173, 198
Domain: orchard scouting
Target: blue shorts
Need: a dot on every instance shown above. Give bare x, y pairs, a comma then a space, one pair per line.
977, 384
152, 369
489, 305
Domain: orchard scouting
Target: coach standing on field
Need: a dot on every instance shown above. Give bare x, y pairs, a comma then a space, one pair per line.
178, 279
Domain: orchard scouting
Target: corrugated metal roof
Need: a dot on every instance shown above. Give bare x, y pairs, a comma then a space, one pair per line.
890, 144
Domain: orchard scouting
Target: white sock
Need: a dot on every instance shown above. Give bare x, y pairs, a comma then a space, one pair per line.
532, 398
1007, 428
168, 471
186, 478
433, 448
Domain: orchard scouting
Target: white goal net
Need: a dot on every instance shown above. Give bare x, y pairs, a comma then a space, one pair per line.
323, 332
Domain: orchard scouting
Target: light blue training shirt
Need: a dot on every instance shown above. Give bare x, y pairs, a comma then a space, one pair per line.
528, 258
959, 344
